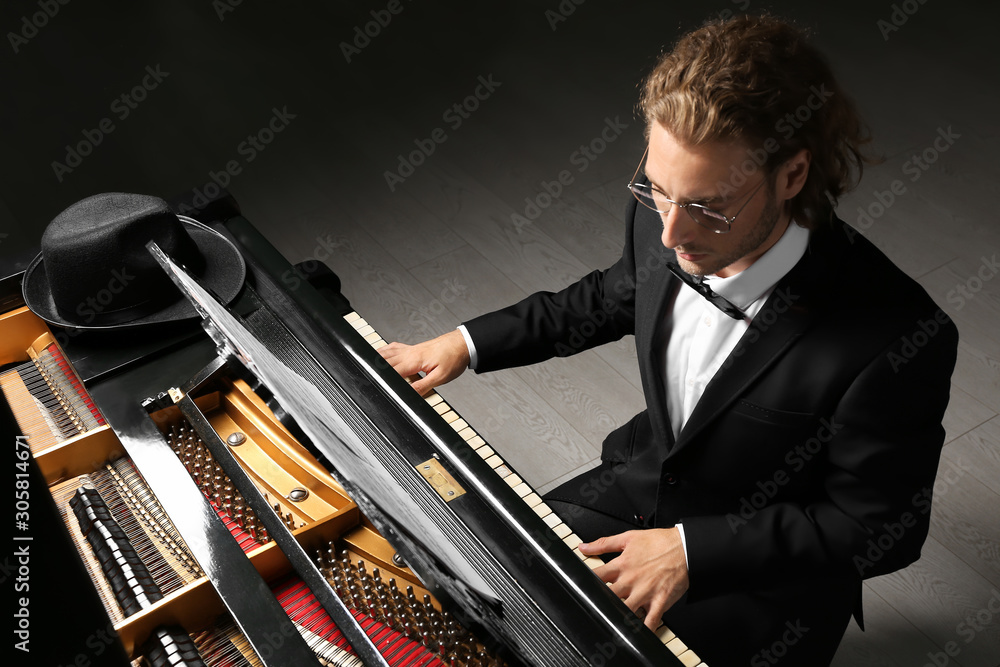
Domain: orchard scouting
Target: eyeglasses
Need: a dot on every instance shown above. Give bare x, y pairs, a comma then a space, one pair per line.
708, 218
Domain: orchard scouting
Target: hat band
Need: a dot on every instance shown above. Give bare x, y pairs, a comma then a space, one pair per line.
97, 315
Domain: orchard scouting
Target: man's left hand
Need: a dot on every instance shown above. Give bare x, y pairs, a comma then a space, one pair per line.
650, 574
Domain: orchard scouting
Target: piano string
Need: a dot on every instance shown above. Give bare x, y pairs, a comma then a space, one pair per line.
48, 399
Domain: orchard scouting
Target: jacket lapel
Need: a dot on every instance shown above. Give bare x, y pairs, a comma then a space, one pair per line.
650, 316
656, 401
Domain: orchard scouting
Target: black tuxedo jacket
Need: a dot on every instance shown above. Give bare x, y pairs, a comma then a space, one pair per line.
812, 452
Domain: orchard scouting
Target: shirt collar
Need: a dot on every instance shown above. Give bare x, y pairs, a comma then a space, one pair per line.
753, 282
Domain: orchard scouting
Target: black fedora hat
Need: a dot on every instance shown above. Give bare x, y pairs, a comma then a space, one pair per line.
94, 271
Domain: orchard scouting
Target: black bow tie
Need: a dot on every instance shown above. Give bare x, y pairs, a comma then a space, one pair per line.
697, 284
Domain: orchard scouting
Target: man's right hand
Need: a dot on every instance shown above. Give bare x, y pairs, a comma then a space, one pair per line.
442, 359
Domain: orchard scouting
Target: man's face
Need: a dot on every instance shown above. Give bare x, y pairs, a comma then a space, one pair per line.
696, 174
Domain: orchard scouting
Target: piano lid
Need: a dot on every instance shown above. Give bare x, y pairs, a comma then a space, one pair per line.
315, 413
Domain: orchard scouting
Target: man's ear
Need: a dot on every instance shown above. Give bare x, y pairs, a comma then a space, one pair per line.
792, 175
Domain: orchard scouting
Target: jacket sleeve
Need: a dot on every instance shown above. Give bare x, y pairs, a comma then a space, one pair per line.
598, 308
871, 511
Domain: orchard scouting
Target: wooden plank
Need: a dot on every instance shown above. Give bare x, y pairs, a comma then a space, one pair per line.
942, 597
980, 450
964, 516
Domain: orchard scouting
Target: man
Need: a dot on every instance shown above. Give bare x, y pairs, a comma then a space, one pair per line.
793, 408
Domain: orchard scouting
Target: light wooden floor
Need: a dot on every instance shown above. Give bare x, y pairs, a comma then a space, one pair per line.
443, 246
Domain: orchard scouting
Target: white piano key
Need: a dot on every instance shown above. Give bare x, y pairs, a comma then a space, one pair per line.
522, 489
542, 510
532, 499
689, 658
562, 530
665, 634
451, 417
676, 646
494, 461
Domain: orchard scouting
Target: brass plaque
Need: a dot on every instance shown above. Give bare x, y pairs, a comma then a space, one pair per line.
440, 479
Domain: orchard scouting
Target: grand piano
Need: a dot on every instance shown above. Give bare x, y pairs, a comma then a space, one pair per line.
183, 505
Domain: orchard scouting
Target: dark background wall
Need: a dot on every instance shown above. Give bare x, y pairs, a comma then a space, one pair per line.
421, 253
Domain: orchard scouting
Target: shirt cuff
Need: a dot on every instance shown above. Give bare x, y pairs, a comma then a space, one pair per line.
680, 529
473, 359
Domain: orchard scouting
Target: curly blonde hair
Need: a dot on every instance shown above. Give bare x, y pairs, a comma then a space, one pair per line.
757, 80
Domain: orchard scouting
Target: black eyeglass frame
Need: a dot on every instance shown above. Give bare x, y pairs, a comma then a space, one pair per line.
639, 190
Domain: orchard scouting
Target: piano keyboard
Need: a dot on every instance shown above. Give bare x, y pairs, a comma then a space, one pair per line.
687, 657
47, 398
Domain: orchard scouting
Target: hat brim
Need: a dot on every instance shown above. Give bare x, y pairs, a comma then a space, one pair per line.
223, 275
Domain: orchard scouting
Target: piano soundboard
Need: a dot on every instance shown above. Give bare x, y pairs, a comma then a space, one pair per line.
163, 607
